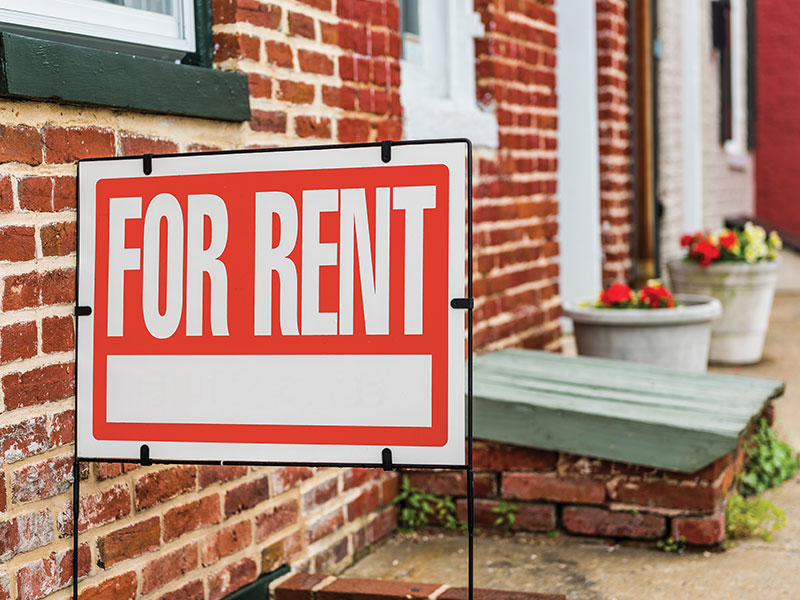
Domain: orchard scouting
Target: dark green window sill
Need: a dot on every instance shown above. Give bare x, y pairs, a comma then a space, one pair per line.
38, 69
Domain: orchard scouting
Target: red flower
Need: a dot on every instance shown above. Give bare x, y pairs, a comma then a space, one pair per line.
687, 239
705, 252
729, 240
656, 296
619, 293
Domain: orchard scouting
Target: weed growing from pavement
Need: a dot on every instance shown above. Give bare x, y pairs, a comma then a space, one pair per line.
506, 516
419, 509
672, 545
770, 461
752, 516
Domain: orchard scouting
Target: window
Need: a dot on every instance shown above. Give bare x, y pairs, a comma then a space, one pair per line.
145, 55
438, 82
162, 28
729, 23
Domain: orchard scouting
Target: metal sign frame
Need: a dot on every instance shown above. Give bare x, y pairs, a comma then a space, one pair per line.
386, 460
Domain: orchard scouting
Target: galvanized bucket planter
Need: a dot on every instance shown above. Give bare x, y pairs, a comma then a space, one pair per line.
745, 292
669, 337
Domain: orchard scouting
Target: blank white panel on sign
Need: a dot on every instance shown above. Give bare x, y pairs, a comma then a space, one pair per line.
356, 390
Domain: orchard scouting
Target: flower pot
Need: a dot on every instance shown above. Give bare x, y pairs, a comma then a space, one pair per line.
745, 292
670, 337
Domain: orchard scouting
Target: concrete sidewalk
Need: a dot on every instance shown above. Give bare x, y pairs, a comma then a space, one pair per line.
593, 569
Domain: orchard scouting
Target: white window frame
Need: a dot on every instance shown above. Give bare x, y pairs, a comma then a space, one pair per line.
438, 76
736, 146
105, 25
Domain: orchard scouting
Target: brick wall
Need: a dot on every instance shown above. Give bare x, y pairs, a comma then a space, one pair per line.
319, 71
778, 122
515, 208
615, 138
588, 496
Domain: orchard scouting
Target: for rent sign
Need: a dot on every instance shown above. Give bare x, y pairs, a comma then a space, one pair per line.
280, 306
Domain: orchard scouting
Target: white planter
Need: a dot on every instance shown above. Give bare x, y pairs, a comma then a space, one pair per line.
670, 337
745, 292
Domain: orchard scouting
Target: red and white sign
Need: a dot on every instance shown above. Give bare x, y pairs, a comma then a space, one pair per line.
281, 306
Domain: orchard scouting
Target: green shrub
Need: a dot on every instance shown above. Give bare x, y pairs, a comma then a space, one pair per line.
769, 461
752, 516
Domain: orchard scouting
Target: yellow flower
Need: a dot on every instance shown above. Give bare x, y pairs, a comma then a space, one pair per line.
775, 240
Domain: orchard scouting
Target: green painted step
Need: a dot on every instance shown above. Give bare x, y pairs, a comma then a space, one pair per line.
612, 409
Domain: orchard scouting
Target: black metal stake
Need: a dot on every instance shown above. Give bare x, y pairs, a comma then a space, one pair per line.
470, 308
76, 508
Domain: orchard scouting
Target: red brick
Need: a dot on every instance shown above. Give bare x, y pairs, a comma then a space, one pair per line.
454, 483
106, 470
295, 92
246, 495
461, 593
353, 130
22, 291
62, 431
358, 476
686, 496
3, 499
285, 478
366, 502
273, 121
301, 25
700, 531
239, 45
47, 194
280, 552
58, 287
159, 572
275, 519
320, 4
260, 87
330, 33
18, 341
305, 127
24, 439
280, 54
326, 560
225, 542
193, 590
25, 533
58, 334
142, 144
42, 480
533, 486
163, 485
191, 516
320, 494
17, 243
5, 586
528, 517
210, 474
383, 525
487, 456
20, 143
298, 586
37, 386
598, 521
128, 542
324, 526
43, 577
389, 489
6, 194
314, 62
64, 145
121, 587
369, 589
97, 509
231, 578
58, 239
250, 11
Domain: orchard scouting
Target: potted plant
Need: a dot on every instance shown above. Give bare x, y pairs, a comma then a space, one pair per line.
738, 267
648, 326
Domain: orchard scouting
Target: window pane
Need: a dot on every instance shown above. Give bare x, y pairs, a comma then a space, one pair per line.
162, 7
409, 15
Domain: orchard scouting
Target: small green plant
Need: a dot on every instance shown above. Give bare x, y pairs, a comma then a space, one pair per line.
752, 516
770, 461
506, 516
553, 534
419, 508
672, 545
